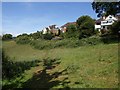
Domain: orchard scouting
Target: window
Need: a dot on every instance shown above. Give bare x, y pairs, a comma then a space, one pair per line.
103, 27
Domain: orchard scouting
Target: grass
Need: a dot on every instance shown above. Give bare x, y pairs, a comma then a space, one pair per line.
87, 66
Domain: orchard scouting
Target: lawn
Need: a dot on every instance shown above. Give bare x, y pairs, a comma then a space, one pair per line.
93, 66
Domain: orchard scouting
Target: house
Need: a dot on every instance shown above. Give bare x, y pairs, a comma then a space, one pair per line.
64, 27
51, 29
105, 22
46, 30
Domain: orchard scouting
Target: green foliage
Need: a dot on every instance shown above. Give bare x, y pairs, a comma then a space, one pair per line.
7, 37
12, 69
82, 20
36, 35
115, 28
48, 63
85, 25
87, 58
72, 68
109, 39
66, 43
107, 8
72, 32
47, 36
23, 40
24, 34
41, 44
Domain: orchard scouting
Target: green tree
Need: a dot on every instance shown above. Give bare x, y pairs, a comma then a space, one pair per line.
106, 8
7, 37
24, 34
85, 25
72, 31
36, 35
115, 28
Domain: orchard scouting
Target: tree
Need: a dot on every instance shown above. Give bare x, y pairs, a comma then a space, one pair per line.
106, 8
7, 37
85, 25
115, 28
36, 35
24, 34
72, 31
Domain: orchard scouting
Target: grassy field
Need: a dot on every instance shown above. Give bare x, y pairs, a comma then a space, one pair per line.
86, 66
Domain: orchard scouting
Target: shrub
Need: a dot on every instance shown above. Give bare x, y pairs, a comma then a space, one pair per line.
41, 44
61, 43
47, 36
23, 40
72, 32
109, 39
36, 35
7, 37
66, 43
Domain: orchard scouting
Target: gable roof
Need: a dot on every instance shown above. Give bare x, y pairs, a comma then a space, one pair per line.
99, 20
117, 17
111, 17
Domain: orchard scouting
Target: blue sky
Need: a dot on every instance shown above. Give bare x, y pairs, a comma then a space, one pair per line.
28, 17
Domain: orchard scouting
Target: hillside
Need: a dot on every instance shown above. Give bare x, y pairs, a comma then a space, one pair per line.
82, 67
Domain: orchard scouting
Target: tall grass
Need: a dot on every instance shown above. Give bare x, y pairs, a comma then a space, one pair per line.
67, 43
92, 66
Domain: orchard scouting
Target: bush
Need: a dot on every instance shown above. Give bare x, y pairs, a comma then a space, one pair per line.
72, 32
47, 36
7, 37
66, 43
36, 35
22, 40
41, 44
109, 39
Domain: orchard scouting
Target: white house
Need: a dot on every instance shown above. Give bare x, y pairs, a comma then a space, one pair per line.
104, 23
45, 30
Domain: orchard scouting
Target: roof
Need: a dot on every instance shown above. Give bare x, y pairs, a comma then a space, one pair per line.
107, 18
52, 26
69, 23
54, 30
99, 20
111, 17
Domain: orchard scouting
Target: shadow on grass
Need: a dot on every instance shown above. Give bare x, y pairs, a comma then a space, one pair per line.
45, 80
110, 39
12, 70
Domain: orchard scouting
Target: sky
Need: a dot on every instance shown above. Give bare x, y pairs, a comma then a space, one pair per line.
29, 17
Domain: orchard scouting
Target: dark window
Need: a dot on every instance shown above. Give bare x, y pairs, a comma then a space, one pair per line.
103, 27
